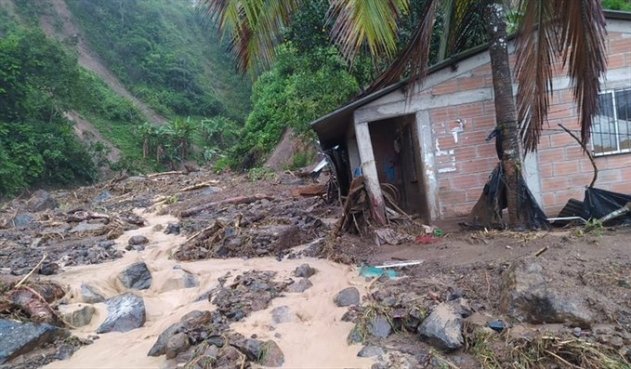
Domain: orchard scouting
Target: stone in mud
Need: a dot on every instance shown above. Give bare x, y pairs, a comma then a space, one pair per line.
40, 201
23, 220
252, 348
370, 351
103, 196
300, 286
282, 314
77, 315
189, 321
136, 276
124, 313
85, 227
18, 338
49, 269
443, 328
173, 228
529, 296
90, 294
347, 297
304, 271
177, 344
137, 240
379, 327
271, 355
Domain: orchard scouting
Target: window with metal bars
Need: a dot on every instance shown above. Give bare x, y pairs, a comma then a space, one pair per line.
611, 129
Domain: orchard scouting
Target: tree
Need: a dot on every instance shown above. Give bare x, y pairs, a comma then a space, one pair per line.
570, 30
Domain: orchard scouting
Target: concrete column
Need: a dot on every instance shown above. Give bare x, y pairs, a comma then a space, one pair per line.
425, 139
369, 171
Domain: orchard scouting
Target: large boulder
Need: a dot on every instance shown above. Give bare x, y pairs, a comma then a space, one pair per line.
189, 321
124, 313
77, 315
136, 276
443, 327
18, 338
347, 297
528, 295
300, 286
40, 201
304, 271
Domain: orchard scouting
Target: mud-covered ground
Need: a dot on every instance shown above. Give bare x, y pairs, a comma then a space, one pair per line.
558, 299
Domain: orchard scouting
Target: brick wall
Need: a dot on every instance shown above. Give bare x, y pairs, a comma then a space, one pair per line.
464, 160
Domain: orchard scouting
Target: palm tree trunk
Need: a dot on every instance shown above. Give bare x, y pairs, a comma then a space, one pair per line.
505, 112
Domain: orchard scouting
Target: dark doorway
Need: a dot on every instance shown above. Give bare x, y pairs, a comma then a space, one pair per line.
398, 160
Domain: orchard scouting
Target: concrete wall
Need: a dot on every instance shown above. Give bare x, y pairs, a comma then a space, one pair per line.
459, 106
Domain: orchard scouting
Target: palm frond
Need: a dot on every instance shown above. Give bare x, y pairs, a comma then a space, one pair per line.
414, 59
584, 51
537, 46
467, 25
254, 26
366, 22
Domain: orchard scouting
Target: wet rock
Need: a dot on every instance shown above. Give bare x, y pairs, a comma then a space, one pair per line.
189, 321
90, 294
252, 348
106, 244
304, 271
103, 196
49, 269
379, 327
528, 296
300, 286
347, 297
177, 344
40, 201
443, 328
85, 227
282, 314
355, 336
77, 315
23, 220
136, 276
18, 338
173, 228
271, 355
124, 313
370, 351
137, 240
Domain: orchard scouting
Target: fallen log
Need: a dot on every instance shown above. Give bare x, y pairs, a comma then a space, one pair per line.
309, 191
34, 305
231, 201
200, 185
162, 174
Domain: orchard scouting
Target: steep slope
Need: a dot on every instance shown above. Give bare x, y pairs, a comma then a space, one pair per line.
61, 25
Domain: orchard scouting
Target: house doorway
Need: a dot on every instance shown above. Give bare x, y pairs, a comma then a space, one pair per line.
397, 156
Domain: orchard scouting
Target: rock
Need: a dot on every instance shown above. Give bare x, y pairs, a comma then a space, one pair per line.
173, 228
355, 336
370, 351
347, 297
85, 227
124, 313
189, 321
300, 286
379, 327
103, 196
179, 279
252, 348
271, 355
90, 294
40, 201
528, 296
304, 271
443, 328
497, 325
177, 343
49, 269
18, 338
282, 314
137, 240
136, 276
23, 220
77, 315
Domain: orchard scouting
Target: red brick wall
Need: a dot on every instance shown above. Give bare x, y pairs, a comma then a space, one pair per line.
464, 165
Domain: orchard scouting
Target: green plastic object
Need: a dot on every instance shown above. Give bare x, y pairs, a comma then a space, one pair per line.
439, 232
370, 271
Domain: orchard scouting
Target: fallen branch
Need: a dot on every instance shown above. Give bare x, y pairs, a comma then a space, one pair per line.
616, 213
541, 251
27, 276
162, 174
231, 201
586, 150
199, 185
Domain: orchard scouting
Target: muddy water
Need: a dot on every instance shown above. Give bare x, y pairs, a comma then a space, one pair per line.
314, 336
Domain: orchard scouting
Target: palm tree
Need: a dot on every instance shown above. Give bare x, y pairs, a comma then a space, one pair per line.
572, 31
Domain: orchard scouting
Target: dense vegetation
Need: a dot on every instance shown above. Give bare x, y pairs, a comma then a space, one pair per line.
162, 52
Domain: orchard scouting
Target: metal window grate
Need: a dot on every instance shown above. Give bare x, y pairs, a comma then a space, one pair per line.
611, 129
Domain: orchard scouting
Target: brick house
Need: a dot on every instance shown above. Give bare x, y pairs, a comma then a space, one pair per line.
431, 145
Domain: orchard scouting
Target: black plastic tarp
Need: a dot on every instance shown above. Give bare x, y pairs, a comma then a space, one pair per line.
596, 204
